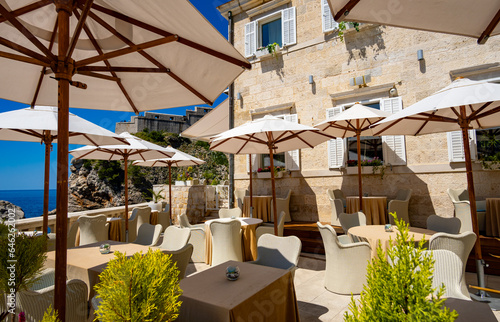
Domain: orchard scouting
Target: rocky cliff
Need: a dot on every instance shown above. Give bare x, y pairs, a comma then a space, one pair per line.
4, 210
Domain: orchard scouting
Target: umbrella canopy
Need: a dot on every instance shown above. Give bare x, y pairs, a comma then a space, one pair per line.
39, 124
215, 122
179, 159
463, 105
138, 149
268, 135
127, 55
458, 17
354, 122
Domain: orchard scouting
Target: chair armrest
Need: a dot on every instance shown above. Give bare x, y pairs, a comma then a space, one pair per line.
354, 245
197, 229
345, 239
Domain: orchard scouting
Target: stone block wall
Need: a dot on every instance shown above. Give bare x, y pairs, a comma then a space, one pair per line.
188, 199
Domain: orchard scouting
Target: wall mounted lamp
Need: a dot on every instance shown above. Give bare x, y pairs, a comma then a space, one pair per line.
311, 80
420, 54
238, 96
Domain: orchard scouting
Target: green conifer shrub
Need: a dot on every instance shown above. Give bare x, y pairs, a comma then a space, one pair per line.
139, 288
50, 315
399, 286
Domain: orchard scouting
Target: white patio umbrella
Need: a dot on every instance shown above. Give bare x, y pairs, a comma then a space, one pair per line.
39, 124
268, 135
138, 149
179, 159
210, 125
354, 122
463, 105
458, 17
127, 55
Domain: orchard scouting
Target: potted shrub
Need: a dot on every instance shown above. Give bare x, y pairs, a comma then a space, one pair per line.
269, 50
143, 287
155, 198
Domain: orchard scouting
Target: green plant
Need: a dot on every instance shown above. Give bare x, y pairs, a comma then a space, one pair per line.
153, 196
215, 182
50, 315
21, 260
343, 27
272, 49
139, 288
399, 286
110, 171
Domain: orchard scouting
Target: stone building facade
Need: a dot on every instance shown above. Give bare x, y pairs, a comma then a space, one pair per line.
162, 122
312, 77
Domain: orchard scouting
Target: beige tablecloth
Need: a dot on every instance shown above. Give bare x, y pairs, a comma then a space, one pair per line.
248, 239
493, 217
86, 262
374, 234
261, 207
260, 294
374, 207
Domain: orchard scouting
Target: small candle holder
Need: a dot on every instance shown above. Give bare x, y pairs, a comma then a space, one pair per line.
105, 249
389, 228
232, 273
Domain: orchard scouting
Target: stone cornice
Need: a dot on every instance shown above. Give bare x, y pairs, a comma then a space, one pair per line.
251, 7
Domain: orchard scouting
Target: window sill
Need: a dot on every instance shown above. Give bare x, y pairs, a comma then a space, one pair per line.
264, 54
364, 170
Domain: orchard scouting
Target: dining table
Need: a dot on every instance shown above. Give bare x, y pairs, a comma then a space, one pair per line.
86, 262
492, 224
261, 207
248, 238
374, 208
377, 235
261, 293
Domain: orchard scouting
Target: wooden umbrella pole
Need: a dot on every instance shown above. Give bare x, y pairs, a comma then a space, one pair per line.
63, 76
251, 190
125, 159
360, 180
170, 191
275, 214
46, 180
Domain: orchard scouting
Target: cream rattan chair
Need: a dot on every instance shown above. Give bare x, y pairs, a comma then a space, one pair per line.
278, 252
442, 224
229, 213
337, 207
35, 303
400, 205
226, 241
461, 245
268, 228
72, 232
184, 222
175, 238
239, 195
143, 215
148, 234
282, 204
163, 216
345, 263
181, 258
197, 238
460, 199
93, 229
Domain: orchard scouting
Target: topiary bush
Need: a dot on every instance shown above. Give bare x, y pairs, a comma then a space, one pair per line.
139, 288
399, 286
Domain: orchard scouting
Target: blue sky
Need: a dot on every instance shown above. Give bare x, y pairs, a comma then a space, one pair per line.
22, 163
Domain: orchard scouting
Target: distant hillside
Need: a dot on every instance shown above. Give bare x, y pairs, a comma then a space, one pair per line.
97, 184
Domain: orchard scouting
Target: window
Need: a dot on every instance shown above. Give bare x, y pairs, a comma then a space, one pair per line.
278, 27
328, 23
390, 149
290, 159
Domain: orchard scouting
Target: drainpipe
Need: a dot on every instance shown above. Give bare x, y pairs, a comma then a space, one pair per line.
230, 36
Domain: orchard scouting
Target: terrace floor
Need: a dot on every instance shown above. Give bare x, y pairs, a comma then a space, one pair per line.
316, 303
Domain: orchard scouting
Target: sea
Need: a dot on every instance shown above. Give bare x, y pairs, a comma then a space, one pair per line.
30, 201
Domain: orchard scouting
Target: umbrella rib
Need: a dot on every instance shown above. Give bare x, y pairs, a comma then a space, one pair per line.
246, 142
164, 33
345, 10
387, 127
42, 73
108, 65
29, 132
131, 49
28, 8
479, 110
123, 69
149, 57
486, 33
21, 28
488, 113
24, 59
24, 50
78, 29
97, 75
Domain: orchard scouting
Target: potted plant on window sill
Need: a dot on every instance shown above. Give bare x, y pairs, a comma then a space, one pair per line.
265, 173
268, 51
374, 166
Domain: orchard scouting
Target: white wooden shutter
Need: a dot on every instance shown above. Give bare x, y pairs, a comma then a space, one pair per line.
292, 158
250, 38
288, 27
393, 146
456, 147
328, 23
336, 147
255, 166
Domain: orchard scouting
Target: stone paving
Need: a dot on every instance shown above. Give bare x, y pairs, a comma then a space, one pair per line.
316, 303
